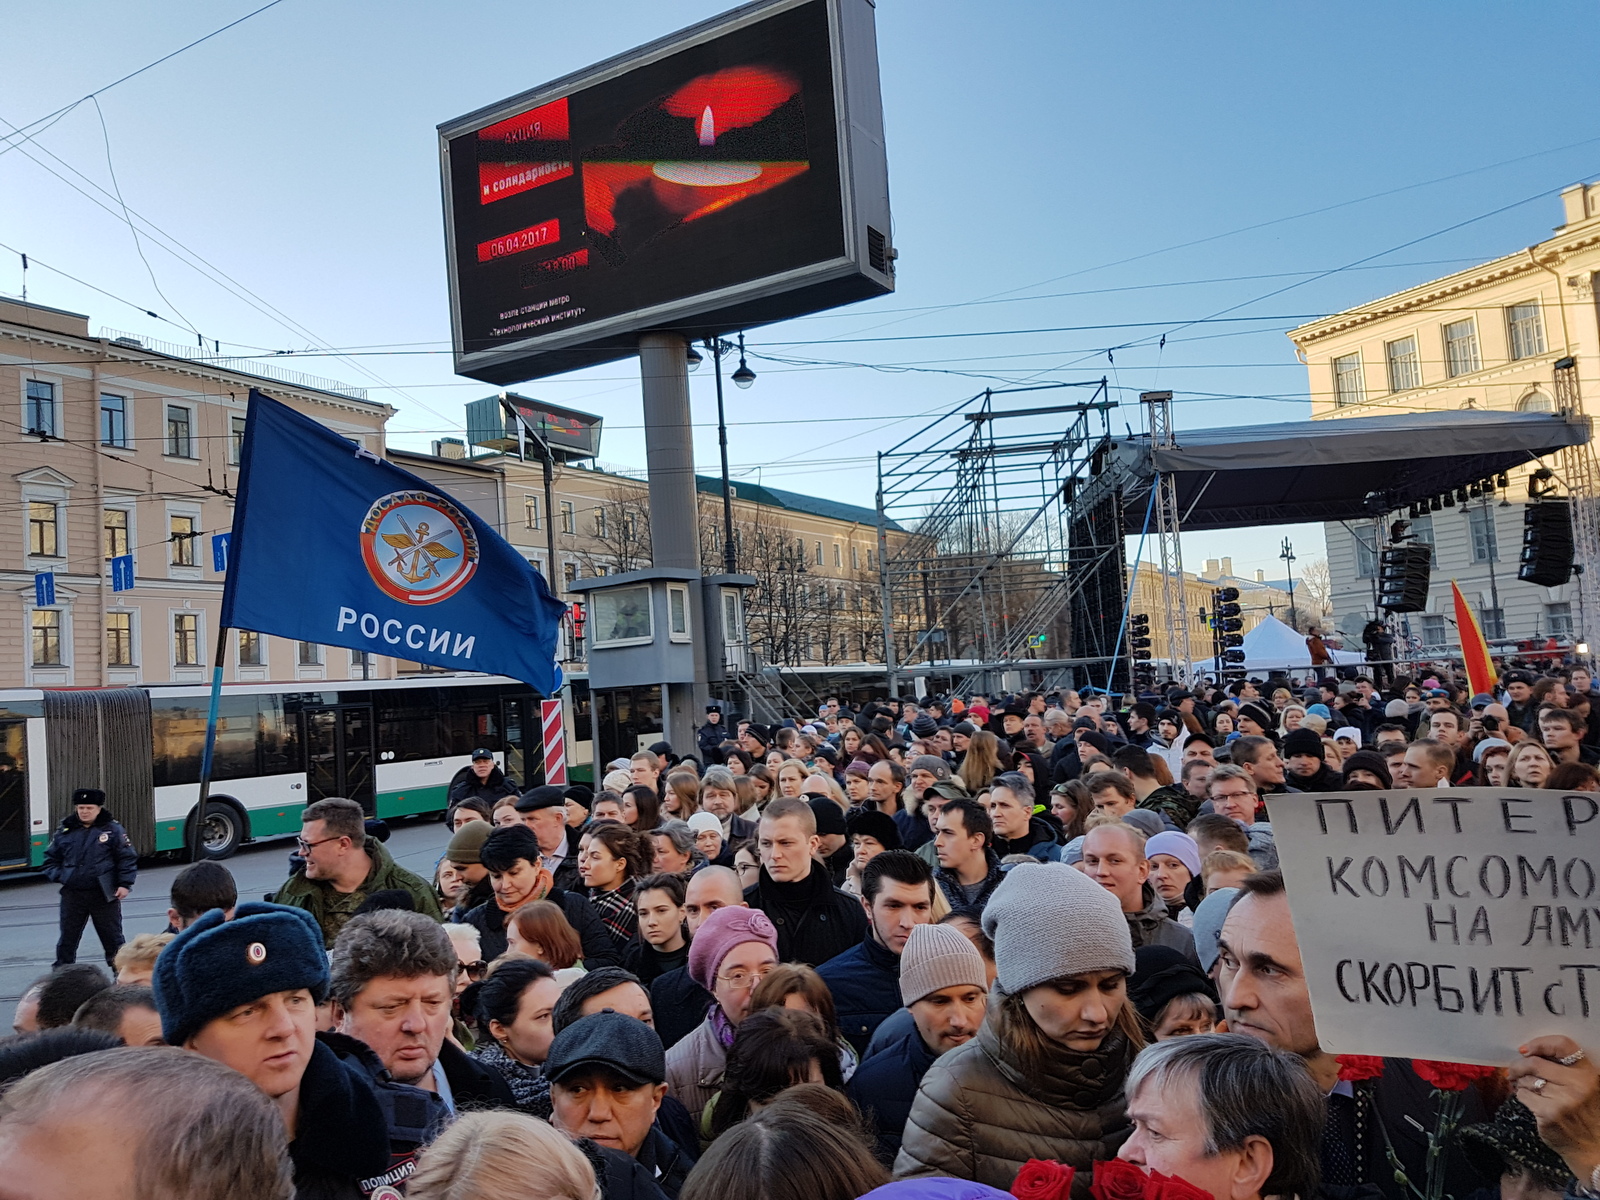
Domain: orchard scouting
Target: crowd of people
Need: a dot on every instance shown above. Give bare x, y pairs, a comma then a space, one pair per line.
909, 951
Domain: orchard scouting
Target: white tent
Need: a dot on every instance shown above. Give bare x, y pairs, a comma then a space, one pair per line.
1272, 645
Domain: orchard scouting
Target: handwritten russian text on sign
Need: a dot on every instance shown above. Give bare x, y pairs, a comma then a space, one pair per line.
1445, 925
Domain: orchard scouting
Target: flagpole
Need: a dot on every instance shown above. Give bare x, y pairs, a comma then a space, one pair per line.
211, 743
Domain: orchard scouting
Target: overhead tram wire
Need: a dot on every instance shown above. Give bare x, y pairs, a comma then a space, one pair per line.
1264, 225
52, 117
209, 270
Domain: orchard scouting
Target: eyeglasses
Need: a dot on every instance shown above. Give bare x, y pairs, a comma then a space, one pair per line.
475, 970
305, 845
740, 979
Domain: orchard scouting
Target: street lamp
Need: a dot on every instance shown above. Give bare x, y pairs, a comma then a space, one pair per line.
1287, 554
744, 377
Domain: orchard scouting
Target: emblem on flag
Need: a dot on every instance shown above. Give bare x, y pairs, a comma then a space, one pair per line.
418, 547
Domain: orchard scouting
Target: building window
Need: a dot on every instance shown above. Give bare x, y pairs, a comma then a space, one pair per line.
1485, 546
569, 572
180, 432
44, 529
1366, 553
1347, 387
869, 560
182, 534
249, 648
114, 523
310, 654
1422, 531
1536, 401
855, 557
1461, 348
530, 512
1405, 369
119, 639
360, 664
46, 623
621, 615
186, 639
600, 522
1433, 632
601, 569
838, 555
800, 550
114, 421
40, 417
714, 538
235, 439
819, 554
1493, 621
1524, 330
678, 613
1558, 619
568, 518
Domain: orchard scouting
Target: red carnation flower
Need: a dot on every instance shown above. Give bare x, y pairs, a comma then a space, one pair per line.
1356, 1067
1119, 1180
1449, 1076
1043, 1179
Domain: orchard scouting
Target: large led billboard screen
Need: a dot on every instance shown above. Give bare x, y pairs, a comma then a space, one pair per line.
727, 176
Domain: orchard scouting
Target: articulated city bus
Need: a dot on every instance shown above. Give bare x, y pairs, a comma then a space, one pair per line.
391, 745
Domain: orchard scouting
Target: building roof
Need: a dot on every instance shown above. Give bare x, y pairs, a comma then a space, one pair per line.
795, 502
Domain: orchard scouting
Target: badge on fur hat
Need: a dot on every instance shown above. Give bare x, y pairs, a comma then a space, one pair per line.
256, 953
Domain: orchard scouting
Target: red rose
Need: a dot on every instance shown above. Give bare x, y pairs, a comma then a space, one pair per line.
1043, 1179
1356, 1067
1118, 1180
1449, 1076
1172, 1188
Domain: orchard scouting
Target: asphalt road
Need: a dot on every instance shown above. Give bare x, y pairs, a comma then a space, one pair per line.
28, 903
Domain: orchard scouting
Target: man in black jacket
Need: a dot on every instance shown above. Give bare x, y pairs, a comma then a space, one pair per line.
393, 979
897, 894
244, 992
608, 1078
512, 857
814, 919
94, 861
482, 779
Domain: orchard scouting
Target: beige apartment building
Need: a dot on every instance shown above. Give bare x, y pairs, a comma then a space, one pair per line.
124, 445
1491, 336
815, 561
1257, 600
115, 448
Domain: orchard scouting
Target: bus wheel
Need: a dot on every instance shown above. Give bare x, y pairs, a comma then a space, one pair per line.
220, 831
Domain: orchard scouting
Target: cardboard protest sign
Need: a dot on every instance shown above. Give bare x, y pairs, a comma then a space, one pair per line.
1445, 924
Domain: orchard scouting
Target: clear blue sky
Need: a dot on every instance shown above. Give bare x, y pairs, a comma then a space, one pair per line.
1049, 155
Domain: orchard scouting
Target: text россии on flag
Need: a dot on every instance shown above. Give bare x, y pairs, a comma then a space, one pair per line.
332, 544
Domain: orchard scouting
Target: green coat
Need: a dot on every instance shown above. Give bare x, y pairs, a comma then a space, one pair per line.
333, 909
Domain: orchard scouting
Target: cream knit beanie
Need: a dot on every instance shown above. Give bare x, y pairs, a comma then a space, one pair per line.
938, 956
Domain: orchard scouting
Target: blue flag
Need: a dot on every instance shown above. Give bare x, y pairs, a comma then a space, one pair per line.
332, 544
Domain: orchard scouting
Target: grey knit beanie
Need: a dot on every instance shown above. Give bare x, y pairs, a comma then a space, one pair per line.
938, 956
932, 764
1048, 921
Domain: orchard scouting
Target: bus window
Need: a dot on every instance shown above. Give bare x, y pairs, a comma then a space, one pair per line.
407, 724
252, 739
468, 722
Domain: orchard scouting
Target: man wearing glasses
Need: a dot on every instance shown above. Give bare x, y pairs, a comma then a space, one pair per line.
343, 866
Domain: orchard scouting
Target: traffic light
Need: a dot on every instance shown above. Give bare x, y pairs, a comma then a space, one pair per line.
1139, 637
576, 609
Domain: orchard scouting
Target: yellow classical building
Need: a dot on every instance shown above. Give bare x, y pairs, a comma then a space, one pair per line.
1492, 336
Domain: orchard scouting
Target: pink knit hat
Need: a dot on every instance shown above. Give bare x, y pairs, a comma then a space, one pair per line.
722, 931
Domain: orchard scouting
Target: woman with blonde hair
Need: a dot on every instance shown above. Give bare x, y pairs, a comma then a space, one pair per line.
791, 778
1289, 720
505, 1155
982, 762
1529, 765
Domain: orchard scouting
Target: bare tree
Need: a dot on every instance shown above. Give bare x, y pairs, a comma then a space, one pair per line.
619, 533
1316, 581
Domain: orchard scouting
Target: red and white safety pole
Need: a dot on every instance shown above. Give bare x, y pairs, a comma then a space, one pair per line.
555, 743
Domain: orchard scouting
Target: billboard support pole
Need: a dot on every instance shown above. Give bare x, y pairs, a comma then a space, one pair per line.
674, 512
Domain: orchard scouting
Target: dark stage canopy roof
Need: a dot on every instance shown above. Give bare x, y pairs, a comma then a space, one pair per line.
1333, 470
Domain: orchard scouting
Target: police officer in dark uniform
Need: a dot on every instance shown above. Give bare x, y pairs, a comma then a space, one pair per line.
94, 861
